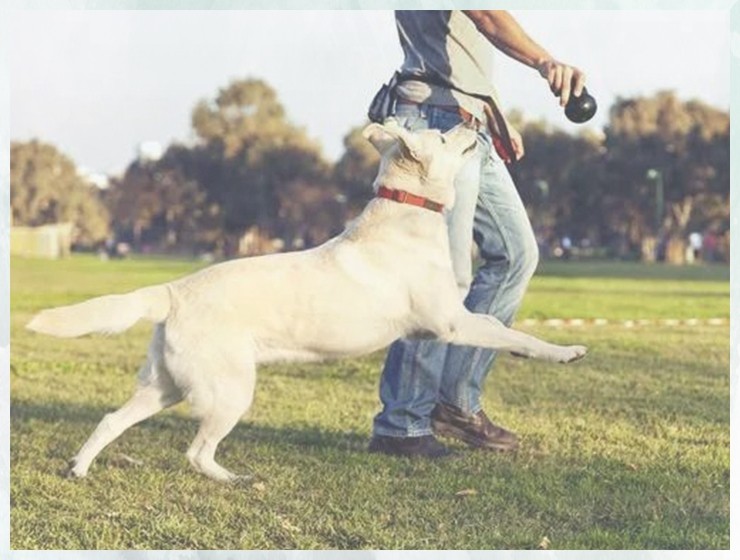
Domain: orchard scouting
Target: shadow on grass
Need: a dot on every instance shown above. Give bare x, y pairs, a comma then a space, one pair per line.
65, 414
716, 272
649, 290
594, 501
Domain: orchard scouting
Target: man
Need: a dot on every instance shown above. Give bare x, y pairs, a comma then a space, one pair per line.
428, 387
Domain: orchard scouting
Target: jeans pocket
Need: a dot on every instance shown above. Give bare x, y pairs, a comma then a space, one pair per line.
491, 156
442, 119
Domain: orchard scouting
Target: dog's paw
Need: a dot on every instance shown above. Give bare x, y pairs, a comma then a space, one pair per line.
73, 470
573, 353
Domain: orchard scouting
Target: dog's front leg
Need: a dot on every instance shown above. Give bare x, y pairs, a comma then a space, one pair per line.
473, 329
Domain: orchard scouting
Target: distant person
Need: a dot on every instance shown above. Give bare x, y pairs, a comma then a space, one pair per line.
710, 245
695, 243
446, 79
566, 245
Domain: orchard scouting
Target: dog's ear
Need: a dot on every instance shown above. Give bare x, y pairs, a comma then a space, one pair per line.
383, 136
462, 138
379, 137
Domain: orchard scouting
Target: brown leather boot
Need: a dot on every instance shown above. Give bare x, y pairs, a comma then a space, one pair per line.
474, 429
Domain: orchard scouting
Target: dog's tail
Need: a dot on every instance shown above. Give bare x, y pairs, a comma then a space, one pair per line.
106, 314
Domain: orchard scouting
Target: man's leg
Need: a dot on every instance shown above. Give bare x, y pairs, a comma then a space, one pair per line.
409, 385
509, 252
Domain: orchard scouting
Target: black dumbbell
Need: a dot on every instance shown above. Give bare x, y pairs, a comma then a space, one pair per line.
582, 108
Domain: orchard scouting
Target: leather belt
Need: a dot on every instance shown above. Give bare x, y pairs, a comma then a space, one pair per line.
466, 116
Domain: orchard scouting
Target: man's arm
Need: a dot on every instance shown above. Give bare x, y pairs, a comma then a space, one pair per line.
505, 33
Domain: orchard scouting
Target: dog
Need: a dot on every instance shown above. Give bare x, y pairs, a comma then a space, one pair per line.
387, 275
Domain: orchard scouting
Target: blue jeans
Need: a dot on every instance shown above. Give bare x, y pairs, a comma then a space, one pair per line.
420, 373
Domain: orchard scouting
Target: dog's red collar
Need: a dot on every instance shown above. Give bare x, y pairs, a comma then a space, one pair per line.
407, 198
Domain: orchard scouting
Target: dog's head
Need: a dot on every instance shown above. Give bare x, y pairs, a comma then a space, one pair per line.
425, 162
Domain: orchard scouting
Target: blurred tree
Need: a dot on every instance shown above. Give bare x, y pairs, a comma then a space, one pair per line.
310, 213
558, 180
252, 170
161, 203
46, 189
243, 113
686, 145
258, 153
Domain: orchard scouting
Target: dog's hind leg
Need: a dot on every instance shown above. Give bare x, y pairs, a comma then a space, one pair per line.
155, 391
231, 399
224, 399
146, 401
473, 329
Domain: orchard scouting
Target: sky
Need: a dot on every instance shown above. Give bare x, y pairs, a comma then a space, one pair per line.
98, 83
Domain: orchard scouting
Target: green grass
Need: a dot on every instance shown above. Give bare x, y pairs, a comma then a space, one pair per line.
627, 449
615, 290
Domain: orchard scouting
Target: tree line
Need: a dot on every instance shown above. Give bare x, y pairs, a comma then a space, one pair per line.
252, 181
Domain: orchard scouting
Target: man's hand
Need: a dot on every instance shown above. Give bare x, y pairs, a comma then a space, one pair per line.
563, 79
516, 142
505, 33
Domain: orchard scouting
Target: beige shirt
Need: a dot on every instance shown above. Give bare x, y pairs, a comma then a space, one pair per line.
453, 62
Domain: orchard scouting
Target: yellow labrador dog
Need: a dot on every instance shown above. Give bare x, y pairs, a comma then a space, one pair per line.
388, 275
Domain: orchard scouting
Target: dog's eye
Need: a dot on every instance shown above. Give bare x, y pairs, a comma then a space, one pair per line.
444, 140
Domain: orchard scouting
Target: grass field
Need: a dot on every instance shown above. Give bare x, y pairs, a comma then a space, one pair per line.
627, 449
